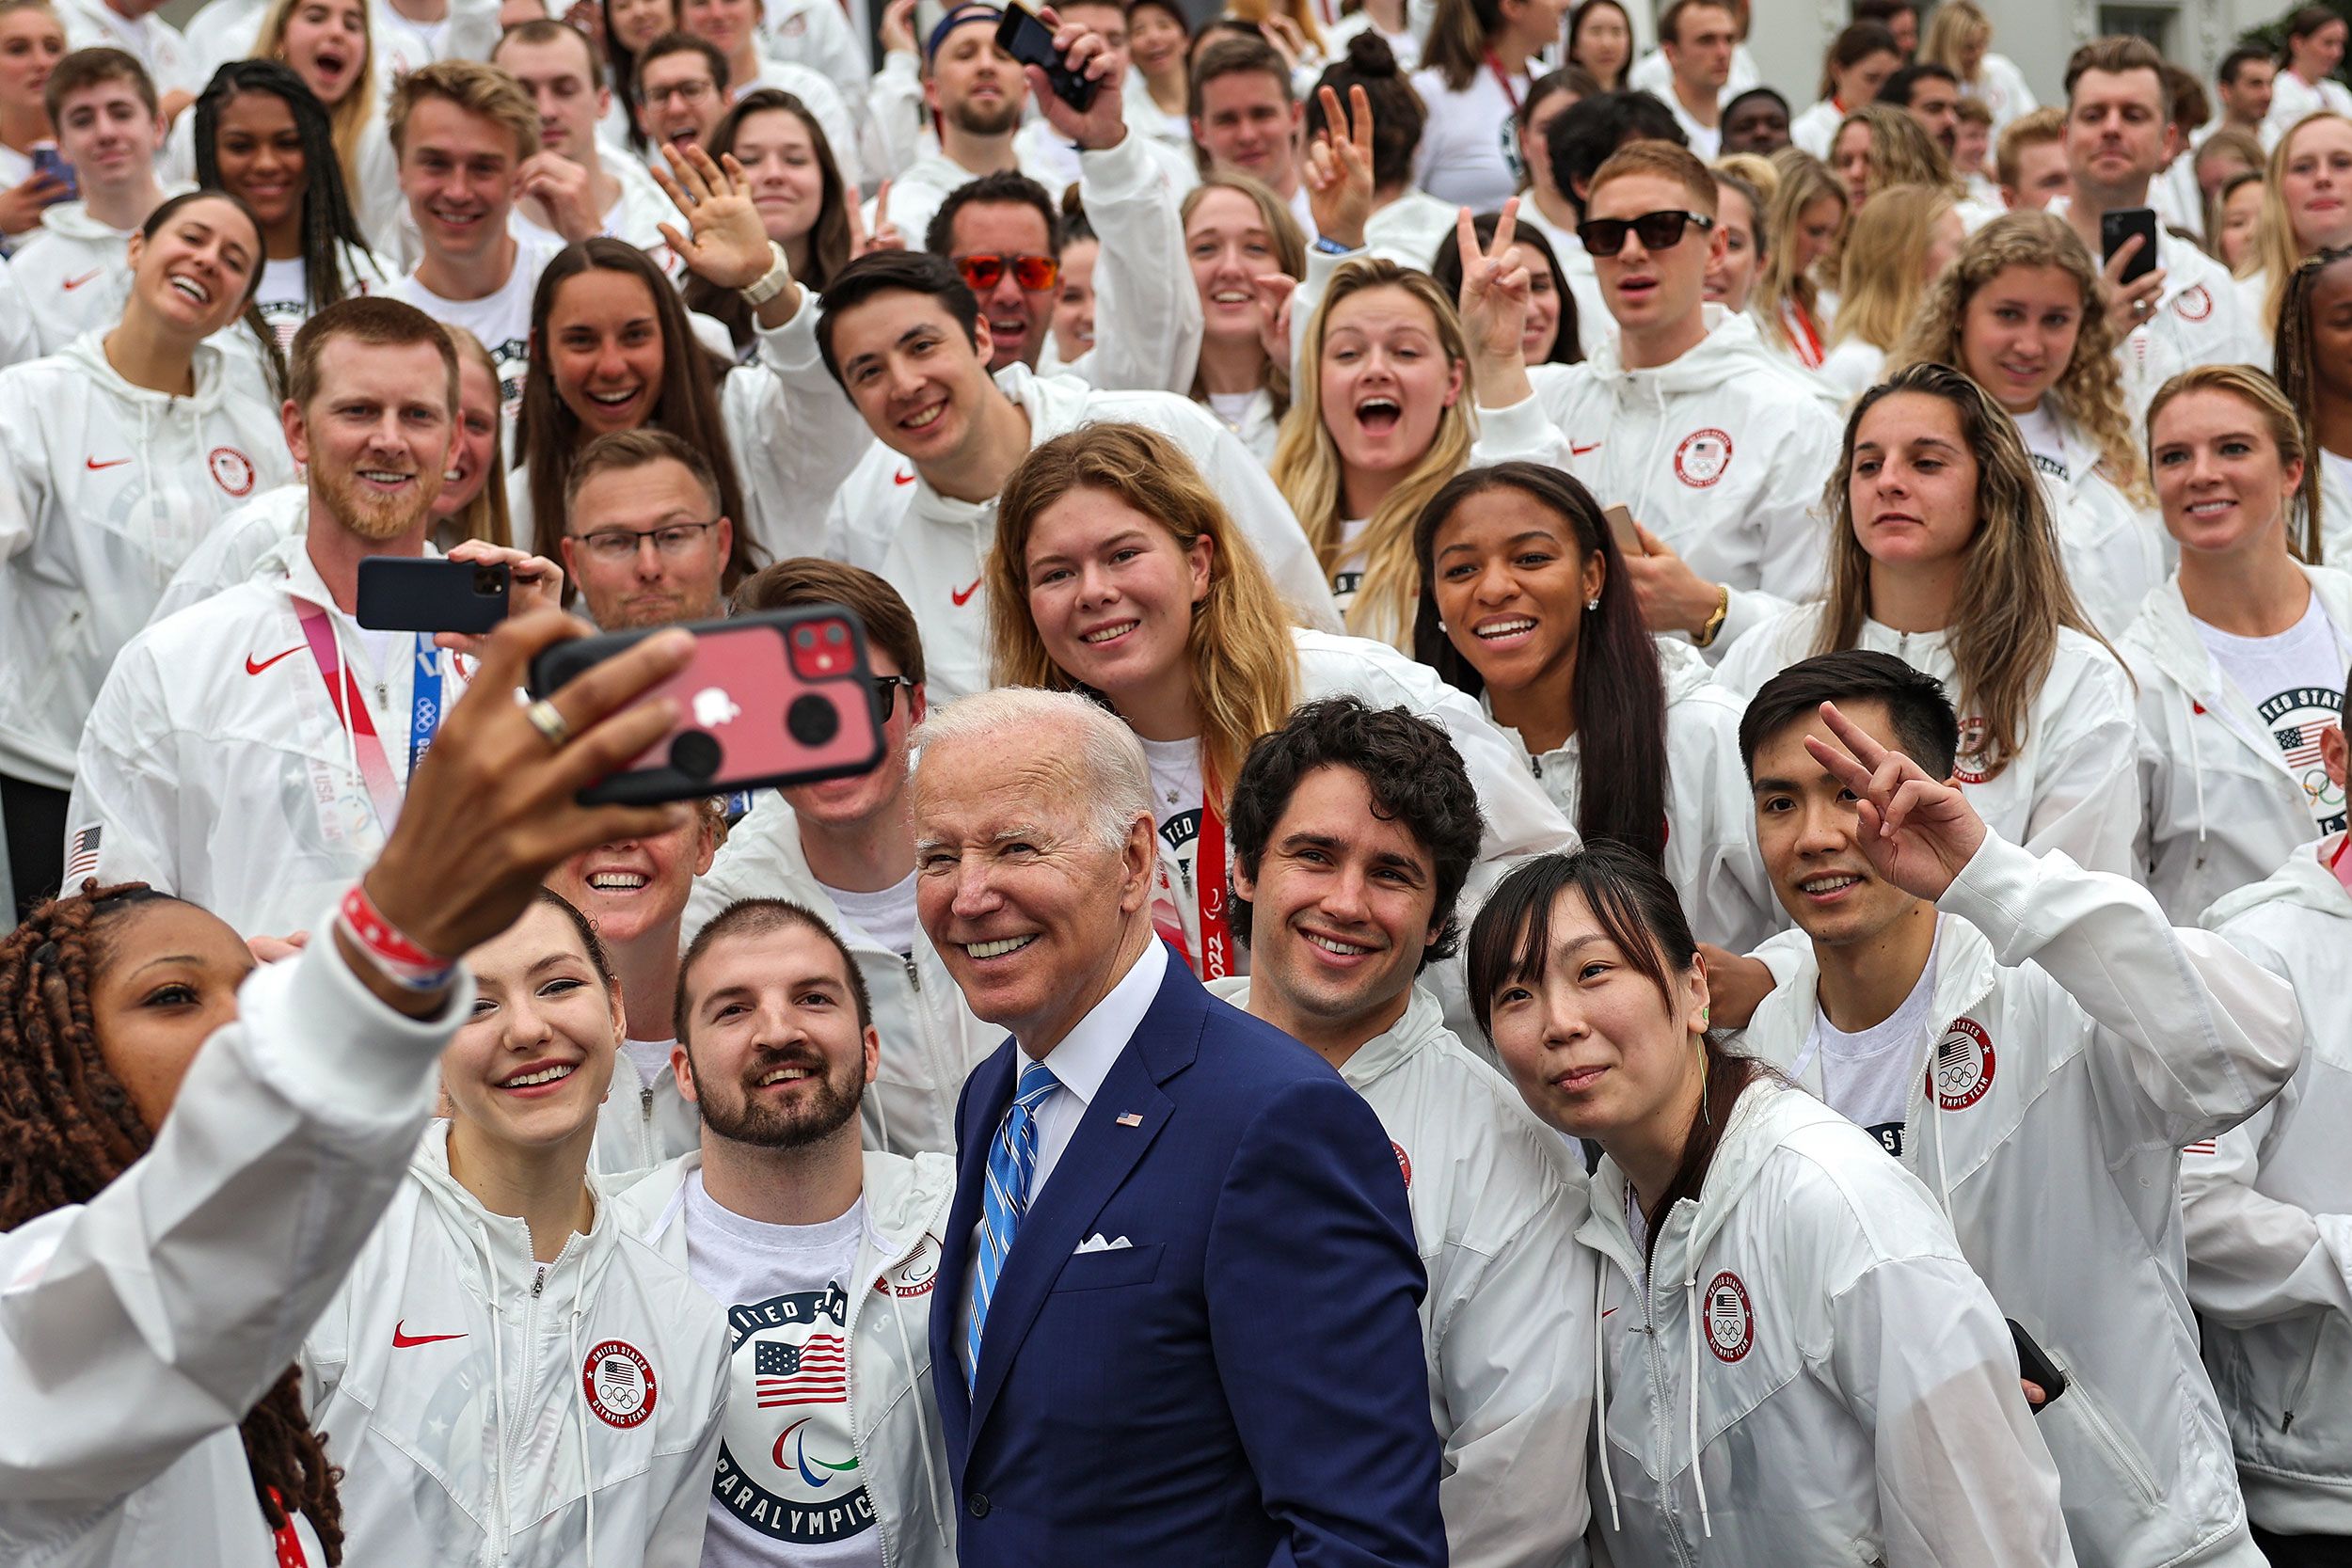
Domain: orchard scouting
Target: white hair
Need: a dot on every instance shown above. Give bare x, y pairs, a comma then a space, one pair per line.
1103, 758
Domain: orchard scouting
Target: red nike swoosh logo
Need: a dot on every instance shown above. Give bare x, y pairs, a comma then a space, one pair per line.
904, 475
406, 1341
1574, 450
77, 282
963, 596
1606, 1312
253, 669
94, 465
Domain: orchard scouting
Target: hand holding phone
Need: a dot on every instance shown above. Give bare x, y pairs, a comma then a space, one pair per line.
2035, 1366
784, 697
1030, 41
2126, 223
1621, 528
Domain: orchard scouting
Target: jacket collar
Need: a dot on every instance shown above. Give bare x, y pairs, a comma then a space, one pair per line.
500, 1246
2168, 638
1421, 1027
1966, 970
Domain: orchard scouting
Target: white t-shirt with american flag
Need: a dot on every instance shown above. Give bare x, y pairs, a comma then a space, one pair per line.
787, 1489
2295, 682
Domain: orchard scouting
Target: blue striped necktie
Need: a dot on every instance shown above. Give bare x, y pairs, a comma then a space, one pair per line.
1011, 1166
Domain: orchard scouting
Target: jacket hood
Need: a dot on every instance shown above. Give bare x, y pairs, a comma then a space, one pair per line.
1731, 348
71, 220
212, 378
501, 1242
2304, 879
1422, 1025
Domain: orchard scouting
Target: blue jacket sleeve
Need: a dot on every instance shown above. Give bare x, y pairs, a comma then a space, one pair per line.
1314, 1288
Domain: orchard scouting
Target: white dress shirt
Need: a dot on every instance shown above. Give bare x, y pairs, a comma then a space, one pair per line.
1086, 1055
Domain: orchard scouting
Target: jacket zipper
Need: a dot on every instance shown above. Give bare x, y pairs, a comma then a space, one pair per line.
2302, 1384
1662, 1419
644, 1125
849, 1354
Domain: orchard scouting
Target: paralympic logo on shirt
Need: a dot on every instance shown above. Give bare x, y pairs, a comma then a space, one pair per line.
799, 1481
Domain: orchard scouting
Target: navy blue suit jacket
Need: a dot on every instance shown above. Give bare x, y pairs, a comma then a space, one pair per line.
1244, 1383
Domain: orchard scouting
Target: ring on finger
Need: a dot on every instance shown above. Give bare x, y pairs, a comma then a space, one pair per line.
549, 721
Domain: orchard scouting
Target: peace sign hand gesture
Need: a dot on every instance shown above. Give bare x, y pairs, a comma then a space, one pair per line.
1495, 289
1916, 833
1338, 168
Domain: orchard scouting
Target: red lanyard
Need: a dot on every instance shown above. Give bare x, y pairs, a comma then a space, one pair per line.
288, 1543
1502, 80
1809, 349
2341, 865
1211, 902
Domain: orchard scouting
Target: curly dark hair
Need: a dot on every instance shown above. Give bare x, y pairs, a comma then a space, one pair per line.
1410, 767
67, 1129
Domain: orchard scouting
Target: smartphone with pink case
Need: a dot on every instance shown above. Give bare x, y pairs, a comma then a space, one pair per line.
780, 697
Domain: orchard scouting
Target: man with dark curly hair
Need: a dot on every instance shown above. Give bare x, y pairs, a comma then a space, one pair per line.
1352, 830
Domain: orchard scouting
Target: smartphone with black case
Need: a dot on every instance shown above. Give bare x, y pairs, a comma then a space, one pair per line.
783, 697
2035, 1366
2122, 224
49, 160
398, 593
1030, 41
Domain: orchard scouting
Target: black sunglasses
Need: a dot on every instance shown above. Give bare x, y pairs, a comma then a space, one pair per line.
886, 693
1660, 231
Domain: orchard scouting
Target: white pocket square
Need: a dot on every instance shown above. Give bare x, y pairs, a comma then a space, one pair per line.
1096, 1244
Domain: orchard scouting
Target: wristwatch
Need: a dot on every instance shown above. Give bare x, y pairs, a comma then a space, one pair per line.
1713, 625
772, 282
1330, 246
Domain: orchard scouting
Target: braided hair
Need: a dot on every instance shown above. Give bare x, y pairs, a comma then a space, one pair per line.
329, 230
68, 1127
2295, 358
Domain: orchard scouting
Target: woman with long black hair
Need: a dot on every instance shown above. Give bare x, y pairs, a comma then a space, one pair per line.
264, 137
1525, 605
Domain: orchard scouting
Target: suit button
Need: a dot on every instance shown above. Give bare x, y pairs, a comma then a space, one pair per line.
977, 1503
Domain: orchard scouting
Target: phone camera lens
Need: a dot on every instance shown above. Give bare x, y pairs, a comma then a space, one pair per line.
811, 720
696, 754
835, 635
805, 638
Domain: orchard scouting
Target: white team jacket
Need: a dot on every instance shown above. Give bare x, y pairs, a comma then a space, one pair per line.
2223, 805
931, 1041
2081, 1043
888, 519
1807, 1372
2268, 1207
539, 1414
214, 765
104, 488
2072, 787
893, 1425
1721, 453
1496, 1199
1711, 855
137, 1329
2114, 550
71, 270
642, 1124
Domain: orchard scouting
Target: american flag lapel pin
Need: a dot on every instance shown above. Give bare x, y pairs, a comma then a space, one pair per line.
1131, 1118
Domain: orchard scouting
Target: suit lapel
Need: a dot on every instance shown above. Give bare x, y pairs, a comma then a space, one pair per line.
1100, 1155
984, 1107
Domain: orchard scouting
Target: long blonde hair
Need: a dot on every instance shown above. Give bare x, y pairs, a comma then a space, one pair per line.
1901, 153
2277, 252
2014, 598
1949, 31
1782, 287
2088, 394
1245, 668
1307, 469
1878, 286
351, 118
486, 517
1290, 259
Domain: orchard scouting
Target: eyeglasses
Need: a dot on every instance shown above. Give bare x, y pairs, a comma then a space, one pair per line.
616, 547
1660, 231
691, 93
1034, 274
887, 693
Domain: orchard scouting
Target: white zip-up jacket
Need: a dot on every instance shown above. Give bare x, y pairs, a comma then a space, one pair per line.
931, 1041
1720, 454
71, 270
2072, 787
2080, 1042
893, 1425
2114, 550
2268, 1205
104, 488
216, 766
2223, 806
489, 1409
1496, 1199
238, 546
1806, 1371
888, 519
1711, 856
137, 1329
641, 1124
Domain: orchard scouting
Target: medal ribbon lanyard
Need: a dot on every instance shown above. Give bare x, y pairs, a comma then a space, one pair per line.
343, 689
